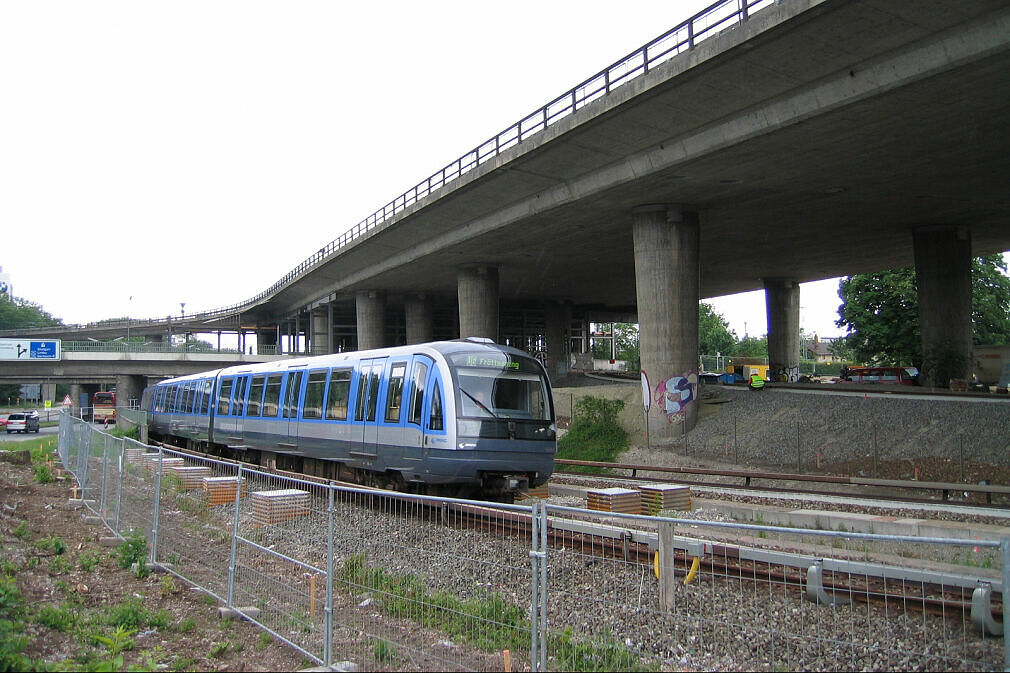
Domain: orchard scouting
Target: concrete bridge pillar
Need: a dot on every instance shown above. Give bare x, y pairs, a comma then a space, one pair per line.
75, 398
266, 340
943, 277
557, 318
371, 314
782, 305
319, 318
418, 316
129, 387
477, 288
667, 280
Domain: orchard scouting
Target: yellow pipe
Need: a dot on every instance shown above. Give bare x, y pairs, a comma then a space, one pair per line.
695, 564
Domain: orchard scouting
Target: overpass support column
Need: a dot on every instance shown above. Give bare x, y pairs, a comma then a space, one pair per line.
943, 277
557, 318
129, 387
420, 324
371, 312
75, 398
477, 288
320, 319
667, 280
782, 306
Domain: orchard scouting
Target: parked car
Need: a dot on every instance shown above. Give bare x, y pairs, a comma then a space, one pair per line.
27, 421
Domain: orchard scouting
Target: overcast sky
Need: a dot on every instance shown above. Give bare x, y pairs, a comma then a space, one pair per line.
197, 151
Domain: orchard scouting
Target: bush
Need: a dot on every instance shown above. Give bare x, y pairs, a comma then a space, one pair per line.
595, 434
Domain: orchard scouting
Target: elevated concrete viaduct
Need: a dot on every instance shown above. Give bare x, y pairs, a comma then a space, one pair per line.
807, 140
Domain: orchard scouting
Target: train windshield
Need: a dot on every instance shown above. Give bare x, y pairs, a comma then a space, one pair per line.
504, 395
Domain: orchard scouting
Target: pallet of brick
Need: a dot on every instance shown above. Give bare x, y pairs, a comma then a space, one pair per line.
657, 497
281, 505
191, 476
134, 456
221, 490
623, 500
167, 463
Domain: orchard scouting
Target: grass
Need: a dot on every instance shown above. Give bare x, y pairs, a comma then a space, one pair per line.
595, 434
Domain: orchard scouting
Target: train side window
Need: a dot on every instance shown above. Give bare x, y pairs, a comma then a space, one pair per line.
208, 393
238, 406
336, 396
255, 396
224, 396
314, 389
187, 393
359, 410
272, 396
417, 392
373, 391
435, 420
394, 392
291, 396
170, 404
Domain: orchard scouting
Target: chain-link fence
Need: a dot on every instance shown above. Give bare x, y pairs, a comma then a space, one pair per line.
395, 581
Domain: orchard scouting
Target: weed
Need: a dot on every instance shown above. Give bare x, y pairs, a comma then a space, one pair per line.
130, 614
184, 664
8, 567
59, 566
43, 474
218, 649
60, 619
51, 544
167, 586
595, 433
88, 561
264, 640
132, 550
382, 651
22, 532
187, 625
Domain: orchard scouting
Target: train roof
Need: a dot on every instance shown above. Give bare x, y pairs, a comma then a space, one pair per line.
444, 348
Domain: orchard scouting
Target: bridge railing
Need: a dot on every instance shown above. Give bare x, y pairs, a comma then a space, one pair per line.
685, 36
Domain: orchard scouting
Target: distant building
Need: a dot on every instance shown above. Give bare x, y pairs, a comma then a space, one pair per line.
819, 350
5, 284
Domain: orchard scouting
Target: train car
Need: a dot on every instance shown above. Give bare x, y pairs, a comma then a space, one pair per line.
465, 418
905, 376
103, 406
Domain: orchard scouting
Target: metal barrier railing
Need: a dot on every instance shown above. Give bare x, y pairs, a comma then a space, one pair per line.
392, 580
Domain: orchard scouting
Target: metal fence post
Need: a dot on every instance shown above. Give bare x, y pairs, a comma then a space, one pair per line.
543, 588
234, 540
157, 506
103, 506
1004, 552
328, 643
535, 556
119, 488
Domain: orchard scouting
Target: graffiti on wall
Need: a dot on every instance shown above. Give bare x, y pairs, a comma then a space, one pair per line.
672, 395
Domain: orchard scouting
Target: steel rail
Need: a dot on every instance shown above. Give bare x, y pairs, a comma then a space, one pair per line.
748, 476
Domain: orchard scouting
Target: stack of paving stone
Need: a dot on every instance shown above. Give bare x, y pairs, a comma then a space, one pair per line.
657, 497
167, 463
133, 455
221, 490
624, 500
281, 505
191, 476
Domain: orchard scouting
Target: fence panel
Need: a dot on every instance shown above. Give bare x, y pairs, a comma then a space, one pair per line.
761, 597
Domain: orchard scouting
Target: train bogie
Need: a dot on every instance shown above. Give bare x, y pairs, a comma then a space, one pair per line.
457, 417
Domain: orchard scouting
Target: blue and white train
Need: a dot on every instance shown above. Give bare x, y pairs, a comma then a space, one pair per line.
464, 418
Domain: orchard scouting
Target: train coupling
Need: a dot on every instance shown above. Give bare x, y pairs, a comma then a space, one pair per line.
505, 483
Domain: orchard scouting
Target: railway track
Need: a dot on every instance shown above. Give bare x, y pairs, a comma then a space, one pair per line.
970, 495
791, 569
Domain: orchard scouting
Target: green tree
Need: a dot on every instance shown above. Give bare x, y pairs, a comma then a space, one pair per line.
751, 347
714, 335
16, 313
880, 311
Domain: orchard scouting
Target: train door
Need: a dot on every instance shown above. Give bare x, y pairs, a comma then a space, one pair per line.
433, 413
289, 411
367, 401
415, 406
